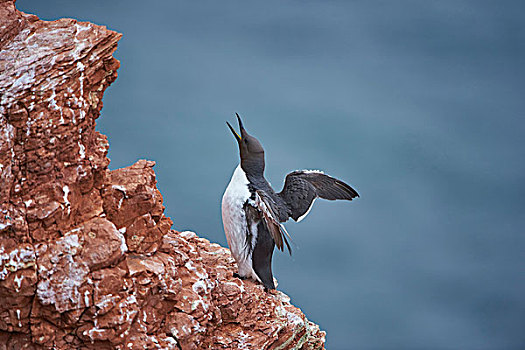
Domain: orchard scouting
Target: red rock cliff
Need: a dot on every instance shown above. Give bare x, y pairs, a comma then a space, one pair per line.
87, 257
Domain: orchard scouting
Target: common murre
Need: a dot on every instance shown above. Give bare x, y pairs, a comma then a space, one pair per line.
252, 212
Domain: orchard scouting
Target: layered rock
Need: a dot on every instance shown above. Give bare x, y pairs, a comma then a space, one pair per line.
87, 257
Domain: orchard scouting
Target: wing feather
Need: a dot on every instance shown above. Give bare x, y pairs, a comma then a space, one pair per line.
302, 187
276, 229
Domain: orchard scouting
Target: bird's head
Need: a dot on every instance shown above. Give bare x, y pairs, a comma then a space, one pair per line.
250, 150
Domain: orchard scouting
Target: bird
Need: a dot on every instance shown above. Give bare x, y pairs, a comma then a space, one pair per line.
253, 213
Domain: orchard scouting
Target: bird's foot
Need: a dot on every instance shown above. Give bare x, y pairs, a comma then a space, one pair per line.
269, 287
236, 275
270, 290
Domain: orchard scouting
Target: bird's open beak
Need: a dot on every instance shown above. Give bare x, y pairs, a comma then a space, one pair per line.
243, 132
237, 137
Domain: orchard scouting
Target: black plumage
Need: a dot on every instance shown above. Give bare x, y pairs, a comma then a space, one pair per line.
302, 187
265, 210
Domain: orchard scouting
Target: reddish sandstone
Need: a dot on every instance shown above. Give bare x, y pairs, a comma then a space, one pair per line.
87, 258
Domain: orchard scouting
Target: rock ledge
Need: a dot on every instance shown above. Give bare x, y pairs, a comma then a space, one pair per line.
87, 258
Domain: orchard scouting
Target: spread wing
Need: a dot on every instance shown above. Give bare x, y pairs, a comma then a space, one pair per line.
302, 187
264, 203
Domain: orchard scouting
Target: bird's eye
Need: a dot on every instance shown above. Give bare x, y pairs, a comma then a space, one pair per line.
245, 140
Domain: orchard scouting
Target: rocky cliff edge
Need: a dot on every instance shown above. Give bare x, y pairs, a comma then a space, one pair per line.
87, 258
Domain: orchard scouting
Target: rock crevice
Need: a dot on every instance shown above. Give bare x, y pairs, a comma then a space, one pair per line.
87, 257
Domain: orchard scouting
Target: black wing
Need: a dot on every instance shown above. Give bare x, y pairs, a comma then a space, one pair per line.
302, 187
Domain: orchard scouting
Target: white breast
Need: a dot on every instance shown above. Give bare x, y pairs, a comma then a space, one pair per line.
234, 221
